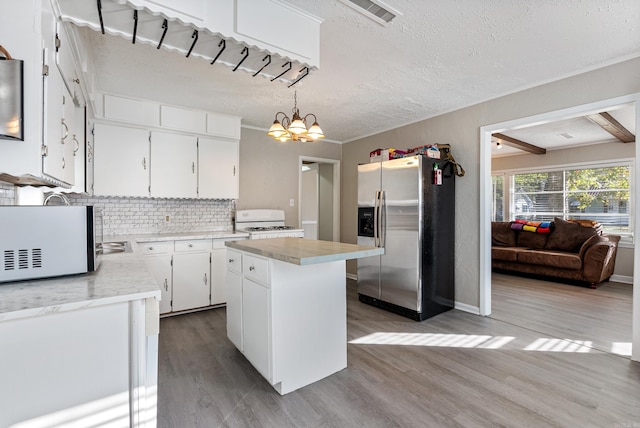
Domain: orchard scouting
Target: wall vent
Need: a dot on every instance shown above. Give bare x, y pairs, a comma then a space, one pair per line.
373, 9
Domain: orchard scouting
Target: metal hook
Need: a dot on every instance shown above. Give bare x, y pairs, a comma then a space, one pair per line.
282, 74
165, 25
194, 36
222, 43
135, 26
100, 16
245, 51
306, 72
263, 67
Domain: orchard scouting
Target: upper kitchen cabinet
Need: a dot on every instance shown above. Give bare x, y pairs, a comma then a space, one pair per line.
218, 175
122, 109
174, 166
31, 34
120, 161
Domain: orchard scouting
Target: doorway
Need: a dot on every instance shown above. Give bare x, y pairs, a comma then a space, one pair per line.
319, 196
486, 197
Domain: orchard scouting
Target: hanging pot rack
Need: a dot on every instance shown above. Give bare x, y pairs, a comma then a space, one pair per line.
119, 18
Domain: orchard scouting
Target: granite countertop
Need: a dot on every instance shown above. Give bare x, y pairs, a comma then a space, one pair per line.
302, 251
120, 277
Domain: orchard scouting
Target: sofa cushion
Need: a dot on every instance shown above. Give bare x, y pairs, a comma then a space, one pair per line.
502, 235
507, 254
568, 236
533, 240
556, 259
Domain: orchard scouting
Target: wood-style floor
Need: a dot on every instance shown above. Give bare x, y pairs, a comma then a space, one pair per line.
455, 369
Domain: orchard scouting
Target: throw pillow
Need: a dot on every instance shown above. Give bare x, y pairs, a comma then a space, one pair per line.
502, 235
568, 236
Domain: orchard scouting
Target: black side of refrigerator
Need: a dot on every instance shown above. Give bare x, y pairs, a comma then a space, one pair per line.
438, 240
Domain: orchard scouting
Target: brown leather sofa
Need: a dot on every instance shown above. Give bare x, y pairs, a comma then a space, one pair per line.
570, 252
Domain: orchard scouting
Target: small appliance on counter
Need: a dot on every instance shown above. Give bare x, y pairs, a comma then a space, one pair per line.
265, 223
47, 241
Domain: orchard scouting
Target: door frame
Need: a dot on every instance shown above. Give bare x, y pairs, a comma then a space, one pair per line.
336, 191
485, 197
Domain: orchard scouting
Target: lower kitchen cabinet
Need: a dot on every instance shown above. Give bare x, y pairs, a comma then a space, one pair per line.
160, 267
191, 274
256, 317
191, 280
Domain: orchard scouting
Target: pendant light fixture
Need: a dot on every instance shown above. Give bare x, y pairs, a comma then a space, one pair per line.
295, 128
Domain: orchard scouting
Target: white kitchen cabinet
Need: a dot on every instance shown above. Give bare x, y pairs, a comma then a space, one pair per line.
122, 109
222, 125
29, 33
53, 151
64, 367
218, 176
174, 165
191, 274
121, 161
234, 309
288, 320
183, 119
160, 267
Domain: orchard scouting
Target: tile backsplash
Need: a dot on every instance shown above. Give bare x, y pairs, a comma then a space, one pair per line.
122, 216
7, 194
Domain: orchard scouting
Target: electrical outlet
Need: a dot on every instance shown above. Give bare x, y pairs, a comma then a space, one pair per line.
167, 218
292, 202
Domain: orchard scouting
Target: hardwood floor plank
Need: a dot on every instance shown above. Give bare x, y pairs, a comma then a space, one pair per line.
453, 370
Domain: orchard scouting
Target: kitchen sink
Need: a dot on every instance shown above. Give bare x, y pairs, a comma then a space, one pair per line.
114, 247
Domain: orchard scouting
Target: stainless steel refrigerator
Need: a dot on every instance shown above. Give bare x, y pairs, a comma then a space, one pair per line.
401, 208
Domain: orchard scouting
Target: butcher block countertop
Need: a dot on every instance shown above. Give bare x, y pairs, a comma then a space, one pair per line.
300, 251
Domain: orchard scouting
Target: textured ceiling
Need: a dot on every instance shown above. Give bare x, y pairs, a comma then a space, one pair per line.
436, 57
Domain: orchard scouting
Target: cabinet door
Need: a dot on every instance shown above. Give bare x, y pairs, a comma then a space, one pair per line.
53, 159
256, 326
69, 138
191, 280
160, 267
218, 276
217, 169
174, 169
233, 285
121, 159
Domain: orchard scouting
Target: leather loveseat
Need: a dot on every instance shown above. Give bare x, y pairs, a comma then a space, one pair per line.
570, 252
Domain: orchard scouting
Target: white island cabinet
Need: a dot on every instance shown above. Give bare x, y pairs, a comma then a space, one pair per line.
81, 350
286, 307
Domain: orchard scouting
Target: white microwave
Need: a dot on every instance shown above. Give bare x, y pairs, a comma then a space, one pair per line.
46, 241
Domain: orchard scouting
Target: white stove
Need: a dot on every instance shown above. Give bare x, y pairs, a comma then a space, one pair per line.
264, 224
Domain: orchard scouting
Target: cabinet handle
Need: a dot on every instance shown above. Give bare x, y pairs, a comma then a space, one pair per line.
193, 167
205, 279
150, 248
64, 164
166, 285
252, 268
144, 163
66, 131
231, 261
190, 245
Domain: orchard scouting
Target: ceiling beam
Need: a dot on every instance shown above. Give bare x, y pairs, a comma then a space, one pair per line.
612, 126
512, 142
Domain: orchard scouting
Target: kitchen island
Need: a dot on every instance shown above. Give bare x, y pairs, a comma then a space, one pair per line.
287, 308
81, 349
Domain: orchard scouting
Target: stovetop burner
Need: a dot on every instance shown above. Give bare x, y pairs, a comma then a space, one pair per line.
268, 228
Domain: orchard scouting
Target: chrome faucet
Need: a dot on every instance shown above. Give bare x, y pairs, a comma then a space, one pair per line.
56, 195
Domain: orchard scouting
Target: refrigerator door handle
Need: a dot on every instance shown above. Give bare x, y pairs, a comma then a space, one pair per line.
376, 233
383, 218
